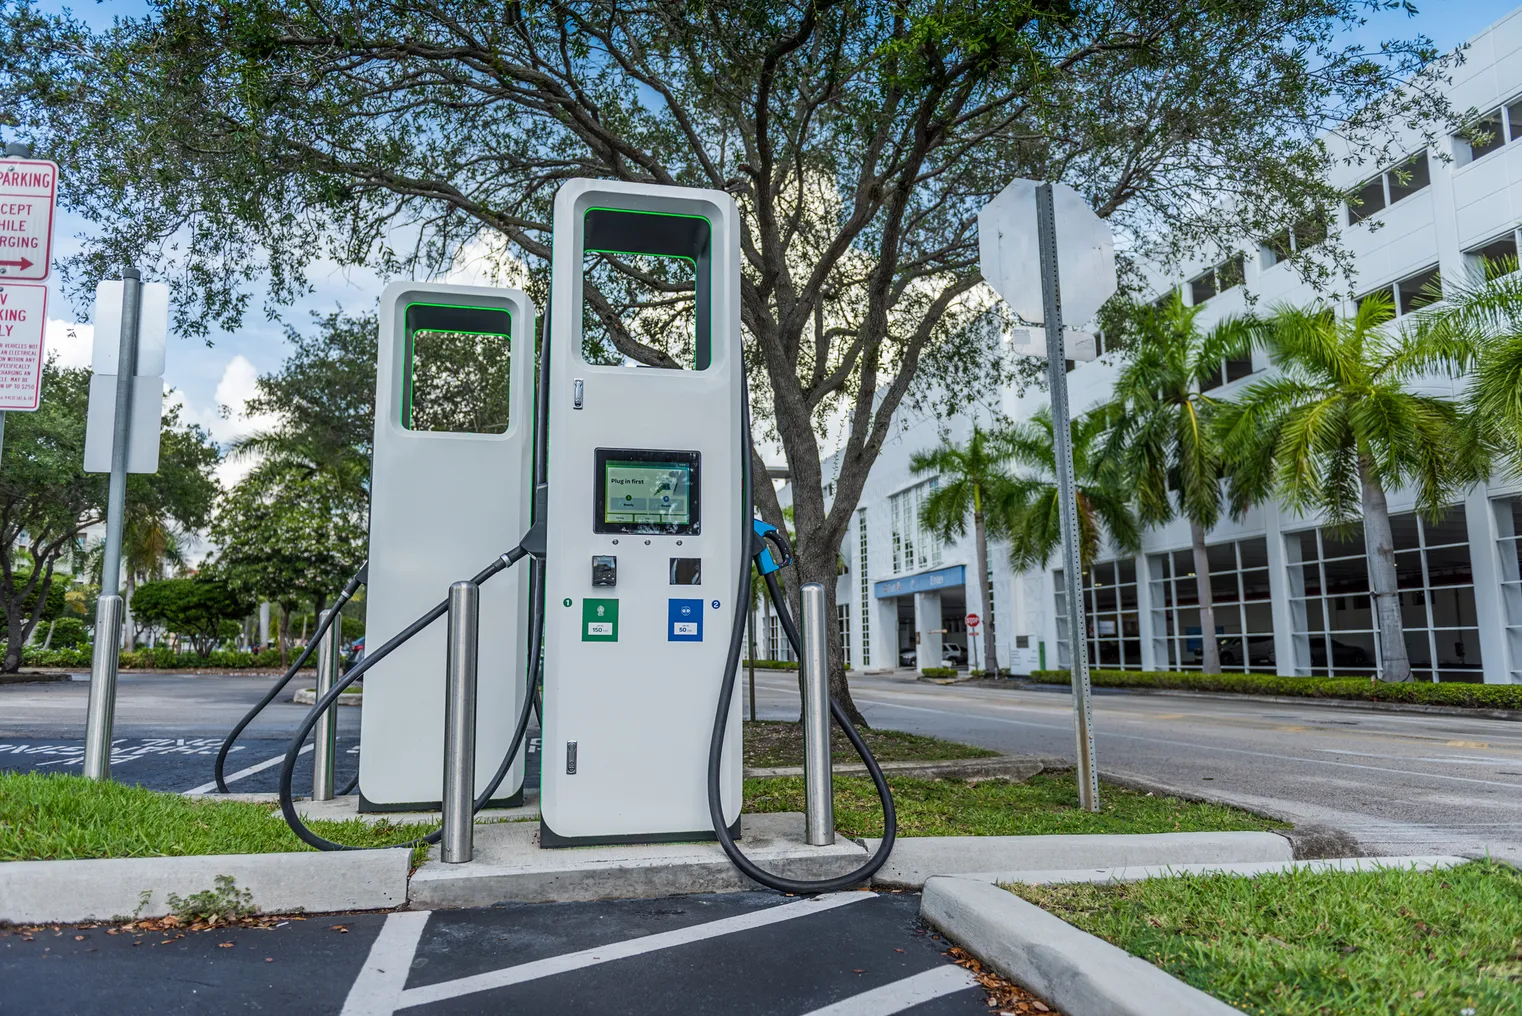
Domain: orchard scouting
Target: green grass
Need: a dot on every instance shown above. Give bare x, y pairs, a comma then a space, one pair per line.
1403, 943
57, 816
770, 744
1047, 803
1453, 693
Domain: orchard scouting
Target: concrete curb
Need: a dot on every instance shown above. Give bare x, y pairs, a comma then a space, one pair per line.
1136, 873
1072, 970
916, 859
308, 697
37, 892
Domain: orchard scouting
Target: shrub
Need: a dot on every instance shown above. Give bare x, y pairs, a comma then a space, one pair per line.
1003, 672
1477, 696
69, 633
771, 664
939, 672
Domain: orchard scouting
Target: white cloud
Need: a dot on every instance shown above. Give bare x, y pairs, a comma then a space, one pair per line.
228, 419
73, 344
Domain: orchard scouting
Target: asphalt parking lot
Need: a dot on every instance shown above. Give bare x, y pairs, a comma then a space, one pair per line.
848, 954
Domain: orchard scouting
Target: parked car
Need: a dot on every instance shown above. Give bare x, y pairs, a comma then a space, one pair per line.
910, 657
955, 653
353, 654
1260, 653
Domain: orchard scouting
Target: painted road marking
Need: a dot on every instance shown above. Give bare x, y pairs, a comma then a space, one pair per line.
568, 962
900, 995
381, 980
207, 788
123, 749
1469, 744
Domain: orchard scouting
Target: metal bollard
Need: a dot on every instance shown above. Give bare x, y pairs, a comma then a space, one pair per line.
460, 723
818, 789
102, 708
325, 750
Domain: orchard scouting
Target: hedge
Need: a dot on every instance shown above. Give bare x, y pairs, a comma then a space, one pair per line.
1478, 696
770, 664
159, 659
939, 672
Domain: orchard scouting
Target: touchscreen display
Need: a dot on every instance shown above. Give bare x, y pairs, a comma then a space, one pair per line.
642, 492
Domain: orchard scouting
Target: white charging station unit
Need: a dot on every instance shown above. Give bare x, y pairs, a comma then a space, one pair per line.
644, 532
443, 504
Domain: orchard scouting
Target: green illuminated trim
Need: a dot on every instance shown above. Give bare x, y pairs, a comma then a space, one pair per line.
409, 350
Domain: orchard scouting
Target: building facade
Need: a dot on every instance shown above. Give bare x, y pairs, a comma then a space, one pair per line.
1291, 594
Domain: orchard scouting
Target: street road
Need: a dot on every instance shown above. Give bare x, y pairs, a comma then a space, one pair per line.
1400, 783
850, 954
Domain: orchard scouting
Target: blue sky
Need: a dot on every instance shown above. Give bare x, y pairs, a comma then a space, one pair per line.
208, 378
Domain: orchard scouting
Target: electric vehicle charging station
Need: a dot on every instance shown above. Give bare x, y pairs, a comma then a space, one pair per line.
447, 492
646, 536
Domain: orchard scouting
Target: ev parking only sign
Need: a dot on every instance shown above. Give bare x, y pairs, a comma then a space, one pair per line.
23, 318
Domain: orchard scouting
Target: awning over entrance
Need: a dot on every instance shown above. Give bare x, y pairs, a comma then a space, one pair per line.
924, 582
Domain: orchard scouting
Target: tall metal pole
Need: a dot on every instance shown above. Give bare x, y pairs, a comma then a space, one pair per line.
818, 792
108, 622
460, 723
1067, 498
325, 735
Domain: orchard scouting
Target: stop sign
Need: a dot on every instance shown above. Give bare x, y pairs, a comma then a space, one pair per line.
973, 620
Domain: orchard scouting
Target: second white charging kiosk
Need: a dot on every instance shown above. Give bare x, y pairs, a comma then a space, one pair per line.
644, 529
449, 490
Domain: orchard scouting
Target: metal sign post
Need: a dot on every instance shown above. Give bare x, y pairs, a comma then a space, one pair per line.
1067, 498
108, 621
1015, 229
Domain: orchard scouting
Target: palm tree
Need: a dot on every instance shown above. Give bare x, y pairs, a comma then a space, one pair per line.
1028, 512
1486, 310
150, 544
1163, 430
1339, 426
972, 477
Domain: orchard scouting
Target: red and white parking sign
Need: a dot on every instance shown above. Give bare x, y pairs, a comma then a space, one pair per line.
28, 192
23, 318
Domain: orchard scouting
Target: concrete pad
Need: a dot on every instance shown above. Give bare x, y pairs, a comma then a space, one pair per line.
509, 864
1075, 972
917, 858
343, 808
1136, 873
37, 892
308, 697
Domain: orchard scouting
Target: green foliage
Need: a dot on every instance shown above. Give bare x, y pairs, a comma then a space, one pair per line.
61, 817
289, 538
45, 492
1478, 696
771, 664
197, 608
224, 903
161, 659
1029, 510
1395, 941
940, 672
1046, 804
69, 633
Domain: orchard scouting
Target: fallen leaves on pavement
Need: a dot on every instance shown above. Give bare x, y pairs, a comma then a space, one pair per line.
1004, 996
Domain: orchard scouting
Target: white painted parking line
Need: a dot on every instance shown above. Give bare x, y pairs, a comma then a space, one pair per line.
207, 788
384, 975
553, 965
900, 995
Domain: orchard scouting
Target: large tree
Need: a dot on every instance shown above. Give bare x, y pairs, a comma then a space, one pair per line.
236, 141
289, 539
198, 608
48, 498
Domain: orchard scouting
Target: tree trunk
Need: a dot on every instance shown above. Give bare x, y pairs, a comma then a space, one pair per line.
129, 630
1395, 665
990, 657
15, 637
284, 636
818, 564
48, 642
1210, 649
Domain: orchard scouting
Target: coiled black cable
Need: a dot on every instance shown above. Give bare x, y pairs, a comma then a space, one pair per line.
726, 694
322, 629
288, 769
